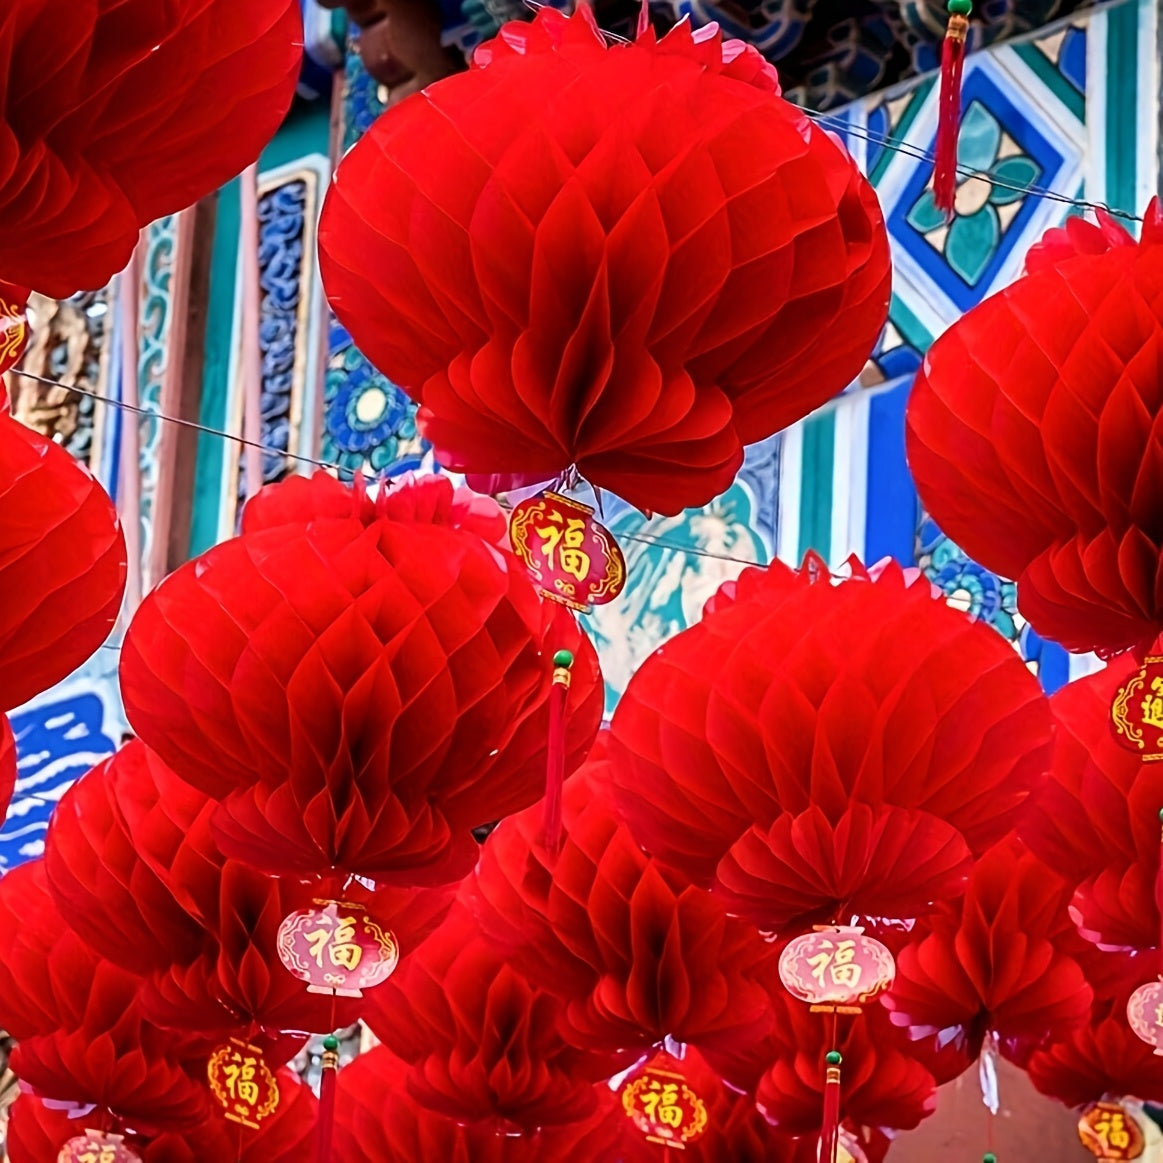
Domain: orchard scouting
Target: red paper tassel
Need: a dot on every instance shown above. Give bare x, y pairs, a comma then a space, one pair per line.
326, 1118
555, 752
949, 118
830, 1127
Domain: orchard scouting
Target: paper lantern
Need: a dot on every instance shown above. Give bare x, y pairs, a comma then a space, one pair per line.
836, 968
1137, 710
62, 561
144, 110
1096, 817
660, 1103
1107, 1131
655, 263
411, 660
13, 327
815, 751
573, 559
998, 960
97, 1147
337, 948
242, 1083
35, 1133
481, 1042
1032, 435
634, 954
83, 1036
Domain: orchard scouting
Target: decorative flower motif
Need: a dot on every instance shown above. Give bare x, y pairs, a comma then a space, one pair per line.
984, 208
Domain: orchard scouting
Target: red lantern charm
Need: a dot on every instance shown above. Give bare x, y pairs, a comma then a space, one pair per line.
242, 1082
573, 559
1137, 710
13, 325
837, 969
1108, 1132
663, 1106
1145, 1014
97, 1147
337, 948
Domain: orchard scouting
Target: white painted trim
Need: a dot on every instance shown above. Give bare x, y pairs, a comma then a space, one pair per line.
791, 476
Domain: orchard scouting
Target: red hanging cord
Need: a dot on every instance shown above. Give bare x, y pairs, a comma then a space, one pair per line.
1159, 881
949, 116
830, 1125
326, 1117
555, 750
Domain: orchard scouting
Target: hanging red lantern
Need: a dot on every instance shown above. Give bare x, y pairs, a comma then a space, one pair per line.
662, 1105
337, 948
998, 960
1108, 1132
97, 1147
242, 1083
633, 953
1033, 433
836, 968
411, 657
816, 751
146, 109
1137, 710
60, 524
480, 1040
1095, 818
83, 1035
13, 327
620, 279
573, 559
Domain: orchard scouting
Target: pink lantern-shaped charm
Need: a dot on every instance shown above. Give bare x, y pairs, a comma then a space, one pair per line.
96, 1147
662, 1105
1145, 1014
837, 969
337, 948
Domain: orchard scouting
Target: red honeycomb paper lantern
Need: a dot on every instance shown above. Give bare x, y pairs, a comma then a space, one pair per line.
337, 948
1033, 434
632, 258
62, 563
837, 969
144, 109
410, 657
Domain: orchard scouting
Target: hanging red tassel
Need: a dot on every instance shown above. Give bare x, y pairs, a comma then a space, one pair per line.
830, 1127
326, 1117
949, 117
555, 751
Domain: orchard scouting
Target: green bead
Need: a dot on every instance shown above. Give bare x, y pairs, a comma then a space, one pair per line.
563, 658
331, 1043
989, 1157
960, 7
833, 1058
1161, 815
